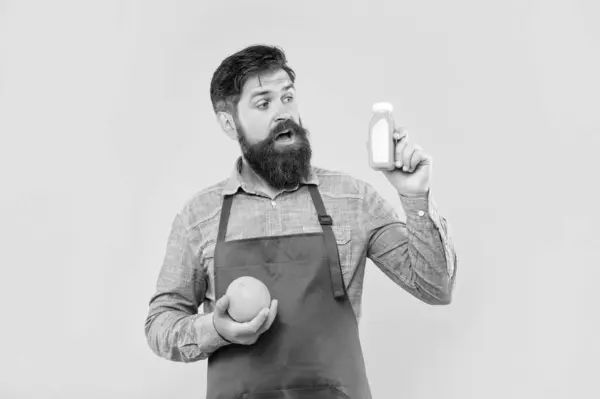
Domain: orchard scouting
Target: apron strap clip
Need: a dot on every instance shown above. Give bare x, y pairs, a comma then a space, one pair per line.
325, 220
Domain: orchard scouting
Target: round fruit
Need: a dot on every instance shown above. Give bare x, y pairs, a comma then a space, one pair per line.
247, 297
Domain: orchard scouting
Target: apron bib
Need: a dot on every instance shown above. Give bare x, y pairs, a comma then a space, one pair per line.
312, 349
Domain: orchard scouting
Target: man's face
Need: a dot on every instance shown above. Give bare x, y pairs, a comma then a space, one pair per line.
270, 131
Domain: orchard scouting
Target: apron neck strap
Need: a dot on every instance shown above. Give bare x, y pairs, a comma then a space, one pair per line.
225, 211
324, 218
337, 280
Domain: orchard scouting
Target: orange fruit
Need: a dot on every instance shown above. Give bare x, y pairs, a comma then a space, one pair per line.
247, 297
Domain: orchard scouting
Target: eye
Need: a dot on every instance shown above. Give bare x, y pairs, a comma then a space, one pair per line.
262, 105
288, 98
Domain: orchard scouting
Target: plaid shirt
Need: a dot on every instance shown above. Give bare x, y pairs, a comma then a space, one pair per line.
416, 253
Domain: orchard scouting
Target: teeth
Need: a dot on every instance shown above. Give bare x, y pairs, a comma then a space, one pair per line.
284, 136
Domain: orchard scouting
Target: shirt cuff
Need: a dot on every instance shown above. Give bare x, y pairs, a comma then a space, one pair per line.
420, 208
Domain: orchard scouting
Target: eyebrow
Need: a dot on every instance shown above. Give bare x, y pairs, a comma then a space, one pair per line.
265, 92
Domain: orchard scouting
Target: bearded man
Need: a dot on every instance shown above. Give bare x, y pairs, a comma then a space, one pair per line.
306, 233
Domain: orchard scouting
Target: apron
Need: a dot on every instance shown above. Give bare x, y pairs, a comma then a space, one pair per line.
312, 349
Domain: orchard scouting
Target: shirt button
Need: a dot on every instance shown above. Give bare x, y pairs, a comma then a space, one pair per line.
273, 203
421, 213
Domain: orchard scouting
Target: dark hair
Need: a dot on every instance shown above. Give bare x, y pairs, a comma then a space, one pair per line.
229, 78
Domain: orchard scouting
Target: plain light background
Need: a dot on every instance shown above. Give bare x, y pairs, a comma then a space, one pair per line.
107, 129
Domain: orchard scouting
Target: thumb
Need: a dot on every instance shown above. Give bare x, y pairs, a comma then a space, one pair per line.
222, 305
400, 132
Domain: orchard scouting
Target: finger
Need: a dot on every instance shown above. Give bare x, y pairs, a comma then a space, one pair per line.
417, 158
401, 136
222, 305
271, 318
255, 324
407, 154
400, 133
399, 151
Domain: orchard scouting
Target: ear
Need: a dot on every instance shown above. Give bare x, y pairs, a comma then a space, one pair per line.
227, 124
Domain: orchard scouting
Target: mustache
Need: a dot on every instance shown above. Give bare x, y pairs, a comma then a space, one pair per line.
288, 124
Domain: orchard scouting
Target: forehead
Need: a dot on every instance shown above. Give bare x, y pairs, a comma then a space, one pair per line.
267, 81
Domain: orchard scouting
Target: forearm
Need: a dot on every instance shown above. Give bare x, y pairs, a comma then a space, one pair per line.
182, 337
418, 254
174, 329
430, 251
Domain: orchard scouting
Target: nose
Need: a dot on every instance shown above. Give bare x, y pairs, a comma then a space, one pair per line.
283, 117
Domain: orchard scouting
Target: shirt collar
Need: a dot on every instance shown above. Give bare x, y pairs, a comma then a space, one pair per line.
236, 182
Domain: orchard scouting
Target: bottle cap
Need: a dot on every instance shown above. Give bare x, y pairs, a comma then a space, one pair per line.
383, 106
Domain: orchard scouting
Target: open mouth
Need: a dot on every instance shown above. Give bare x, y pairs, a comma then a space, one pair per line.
285, 135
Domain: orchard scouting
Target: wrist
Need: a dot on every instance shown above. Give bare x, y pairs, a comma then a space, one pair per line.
216, 331
414, 195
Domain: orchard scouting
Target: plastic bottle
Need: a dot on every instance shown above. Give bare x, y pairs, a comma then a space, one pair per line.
381, 137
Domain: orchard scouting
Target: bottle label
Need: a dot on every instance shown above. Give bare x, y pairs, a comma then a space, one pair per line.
380, 142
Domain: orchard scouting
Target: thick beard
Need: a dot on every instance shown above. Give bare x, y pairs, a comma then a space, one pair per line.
284, 167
